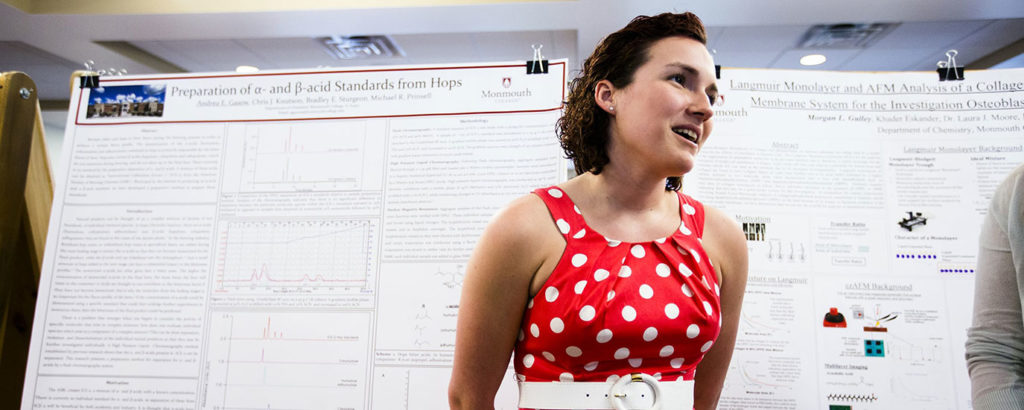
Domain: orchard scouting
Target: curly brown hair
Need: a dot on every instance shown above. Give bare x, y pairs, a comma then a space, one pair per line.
583, 127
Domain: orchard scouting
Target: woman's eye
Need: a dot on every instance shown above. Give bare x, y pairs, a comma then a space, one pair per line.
678, 78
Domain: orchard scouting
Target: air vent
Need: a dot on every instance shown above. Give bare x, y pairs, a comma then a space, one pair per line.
844, 36
356, 47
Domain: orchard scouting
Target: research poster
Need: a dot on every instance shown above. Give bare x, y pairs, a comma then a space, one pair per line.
279, 240
297, 240
862, 196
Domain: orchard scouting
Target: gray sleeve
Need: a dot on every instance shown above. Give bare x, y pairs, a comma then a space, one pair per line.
995, 340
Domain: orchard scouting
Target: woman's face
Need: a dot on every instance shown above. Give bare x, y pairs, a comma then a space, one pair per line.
663, 117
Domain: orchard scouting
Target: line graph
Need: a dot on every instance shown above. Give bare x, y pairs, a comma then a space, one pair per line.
296, 253
286, 360
315, 155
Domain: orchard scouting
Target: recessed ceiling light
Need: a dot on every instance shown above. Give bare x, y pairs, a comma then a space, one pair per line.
812, 59
246, 69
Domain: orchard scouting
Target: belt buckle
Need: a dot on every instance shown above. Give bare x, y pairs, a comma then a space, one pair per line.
617, 393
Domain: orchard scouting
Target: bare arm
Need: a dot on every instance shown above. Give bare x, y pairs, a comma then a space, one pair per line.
727, 247
494, 294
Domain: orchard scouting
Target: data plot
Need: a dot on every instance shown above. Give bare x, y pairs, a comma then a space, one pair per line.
316, 156
294, 360
327, 255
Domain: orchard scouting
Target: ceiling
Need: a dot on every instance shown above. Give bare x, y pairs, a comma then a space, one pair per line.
48, 39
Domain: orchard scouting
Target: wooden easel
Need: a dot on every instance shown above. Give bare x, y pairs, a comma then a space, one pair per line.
26, 195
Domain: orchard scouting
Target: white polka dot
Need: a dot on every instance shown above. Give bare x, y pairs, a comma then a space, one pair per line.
685, 270
663, 270
622, 353
565, 377
646, 291
530, 305
601, 274
650, 334
590, 366
696, 256
718, 290
687, 291
671, 310
563, 226
613, 243
520, 377
692, 331
550, 294
521, 335
705, 282
676, 363
580, 233
660, 240
628, 313
611, 294
612, 379
557, 325
636, 362
555, 193
528, 361
637, 251
667, 351
587, 313
548, 355
604, 336
625, 271
689, 209
577, 209
657, 375
579, 259
681, 250
685, 230
535, 330
706, 347
580, 286
573, 351
707, 308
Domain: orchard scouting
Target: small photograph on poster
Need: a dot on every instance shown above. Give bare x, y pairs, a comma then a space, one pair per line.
127, 101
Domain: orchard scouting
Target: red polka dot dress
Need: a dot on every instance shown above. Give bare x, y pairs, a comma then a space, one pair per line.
611, 308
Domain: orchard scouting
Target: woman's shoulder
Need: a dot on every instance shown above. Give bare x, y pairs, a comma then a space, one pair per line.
724, 241
520, 223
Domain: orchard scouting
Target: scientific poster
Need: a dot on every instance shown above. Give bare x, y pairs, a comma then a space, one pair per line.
279, 240
862, 196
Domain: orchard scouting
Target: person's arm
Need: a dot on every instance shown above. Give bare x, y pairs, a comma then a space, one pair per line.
727, 247
494, 295
995, 341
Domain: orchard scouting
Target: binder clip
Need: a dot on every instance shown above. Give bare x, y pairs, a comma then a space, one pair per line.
538, 65
718, 67
89, 81
948, 71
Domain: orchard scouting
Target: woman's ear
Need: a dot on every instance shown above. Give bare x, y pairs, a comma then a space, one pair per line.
604, 95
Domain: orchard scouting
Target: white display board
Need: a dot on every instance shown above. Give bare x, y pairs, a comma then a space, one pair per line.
297, 240
278, 240
862, 192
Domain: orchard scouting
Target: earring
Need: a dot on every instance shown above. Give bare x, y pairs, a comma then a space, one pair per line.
611, 108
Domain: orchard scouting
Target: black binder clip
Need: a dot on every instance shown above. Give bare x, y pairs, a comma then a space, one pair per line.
538, 65
948, 71
718, 67
89, 81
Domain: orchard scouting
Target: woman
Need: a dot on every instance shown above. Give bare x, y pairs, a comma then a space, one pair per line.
995, 341
613, 273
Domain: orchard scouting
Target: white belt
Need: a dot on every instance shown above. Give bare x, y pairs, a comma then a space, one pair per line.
638, 391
